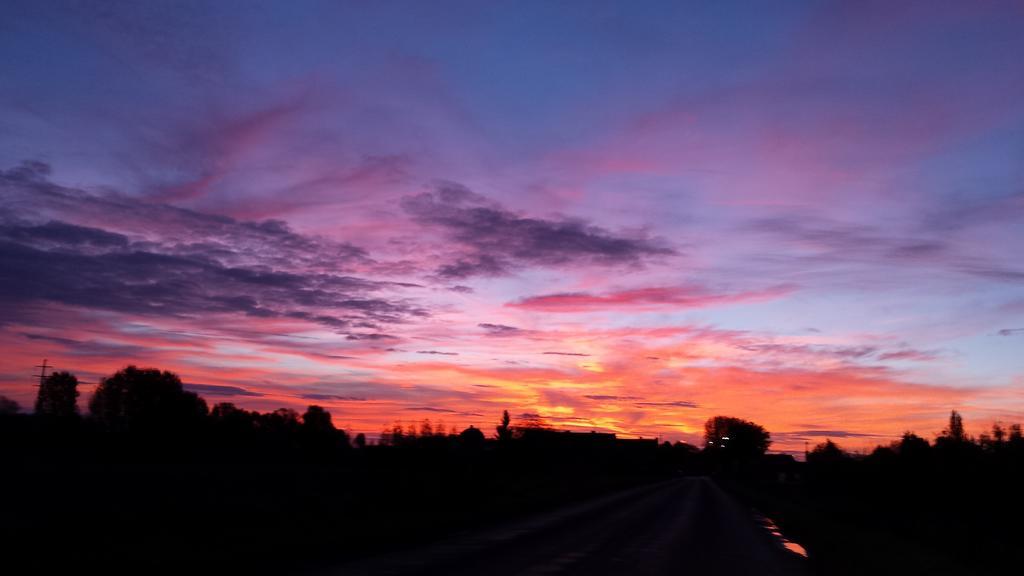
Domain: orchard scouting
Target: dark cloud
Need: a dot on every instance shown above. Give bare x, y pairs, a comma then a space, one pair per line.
909, 354
675, 404
992, 271
440, 410
973, 210
1010, 331
56, 339
437, 352
499, 329
851, 240
334, 397
848, 352
372, 336
216, 390
840, 352
476, 265
92, 347
461, 289
565, 354
495, 240
930, 246
138, 262
809, 434
54, 234
609, 397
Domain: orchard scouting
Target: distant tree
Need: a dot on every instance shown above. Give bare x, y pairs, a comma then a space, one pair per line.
282, 421
998, 433
145, 398
828, 452
912, 446
360, 441
426, 428
884, 454
1015, 434
317, 419
397, 435
504, 429
530, 421
227, 416
58, 396
954, 432
735, 437
8, 406
472, 437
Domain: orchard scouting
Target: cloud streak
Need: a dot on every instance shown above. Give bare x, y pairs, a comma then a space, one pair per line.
646, 298
257, 269
495, 241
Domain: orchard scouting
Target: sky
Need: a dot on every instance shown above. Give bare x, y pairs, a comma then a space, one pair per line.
612, 216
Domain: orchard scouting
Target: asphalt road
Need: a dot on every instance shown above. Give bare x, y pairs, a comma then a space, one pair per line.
687, 526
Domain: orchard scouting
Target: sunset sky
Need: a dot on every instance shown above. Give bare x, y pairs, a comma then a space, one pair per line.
624, 217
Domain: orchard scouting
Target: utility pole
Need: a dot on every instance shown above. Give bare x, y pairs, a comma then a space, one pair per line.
42, 372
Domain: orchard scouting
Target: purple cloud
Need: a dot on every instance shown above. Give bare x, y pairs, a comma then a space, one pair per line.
497, 240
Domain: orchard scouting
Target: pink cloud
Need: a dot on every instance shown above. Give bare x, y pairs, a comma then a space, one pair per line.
646, 298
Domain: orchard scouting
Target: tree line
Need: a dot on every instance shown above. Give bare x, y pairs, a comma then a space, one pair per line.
151, 478
949, 505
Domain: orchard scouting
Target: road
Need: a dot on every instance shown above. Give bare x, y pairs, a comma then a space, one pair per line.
686, 526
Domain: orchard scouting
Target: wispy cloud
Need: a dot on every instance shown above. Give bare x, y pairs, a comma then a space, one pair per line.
672, 296
495, 241
500, 329
141, 266
218, 390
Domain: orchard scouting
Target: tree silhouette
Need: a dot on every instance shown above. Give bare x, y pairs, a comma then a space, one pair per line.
954, 432
280, 422
828, 452
735, 437
504, 429
472, 437
913, 447
317, 419
1015, 436
228, 417
58, 396
145, 398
